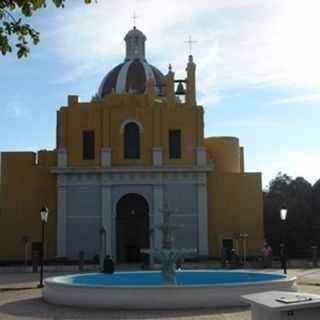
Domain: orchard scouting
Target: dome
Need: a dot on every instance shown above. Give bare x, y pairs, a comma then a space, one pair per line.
135, 33
131, 75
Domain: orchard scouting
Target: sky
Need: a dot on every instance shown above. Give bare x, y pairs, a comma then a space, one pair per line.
258, 71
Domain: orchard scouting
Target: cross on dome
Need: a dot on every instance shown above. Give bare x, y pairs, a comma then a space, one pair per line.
190, 42
134, 18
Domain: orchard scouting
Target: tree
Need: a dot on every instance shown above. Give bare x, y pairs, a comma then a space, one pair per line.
316, 212
12, 25
316, 198
276, 197
299, 221
297, 196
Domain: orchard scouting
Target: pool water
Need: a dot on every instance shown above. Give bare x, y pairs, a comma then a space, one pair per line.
183, 278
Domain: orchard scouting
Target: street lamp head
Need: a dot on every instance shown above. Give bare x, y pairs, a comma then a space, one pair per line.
44, 214
283, 214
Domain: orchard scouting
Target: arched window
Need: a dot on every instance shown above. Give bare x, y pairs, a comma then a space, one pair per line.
131, 141
175, 144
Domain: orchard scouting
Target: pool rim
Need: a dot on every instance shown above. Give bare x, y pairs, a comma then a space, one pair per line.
285, 278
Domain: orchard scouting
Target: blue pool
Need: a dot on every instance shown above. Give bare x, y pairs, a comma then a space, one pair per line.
183, 278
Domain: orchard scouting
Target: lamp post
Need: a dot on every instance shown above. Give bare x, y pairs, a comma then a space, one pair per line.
283, 250
244, 237
44, 219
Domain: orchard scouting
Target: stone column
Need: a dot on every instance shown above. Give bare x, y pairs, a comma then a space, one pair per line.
157, 156
202, 215
105, 157
201, 155
157, 215
106, 214
62, 158
62, 216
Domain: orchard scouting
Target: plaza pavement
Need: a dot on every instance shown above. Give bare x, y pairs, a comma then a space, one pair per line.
19, 299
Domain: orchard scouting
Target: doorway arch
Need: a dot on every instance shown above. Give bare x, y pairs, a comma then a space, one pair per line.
132, 228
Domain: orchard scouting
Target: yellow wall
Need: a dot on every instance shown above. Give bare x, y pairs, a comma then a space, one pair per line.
235, 206
105, 118
25, 188
225, 152
234, 197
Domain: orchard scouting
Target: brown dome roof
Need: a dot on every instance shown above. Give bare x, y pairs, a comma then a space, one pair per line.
131, 75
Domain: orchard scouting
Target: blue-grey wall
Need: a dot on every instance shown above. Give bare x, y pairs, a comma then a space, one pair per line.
84, 214
83, 220
183, 197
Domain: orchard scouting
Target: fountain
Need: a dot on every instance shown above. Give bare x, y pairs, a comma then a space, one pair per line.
162, 290
167, 255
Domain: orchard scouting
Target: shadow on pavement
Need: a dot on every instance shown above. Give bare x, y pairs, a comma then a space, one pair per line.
37, 308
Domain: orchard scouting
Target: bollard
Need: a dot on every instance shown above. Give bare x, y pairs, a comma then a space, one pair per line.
314, 250
81, 260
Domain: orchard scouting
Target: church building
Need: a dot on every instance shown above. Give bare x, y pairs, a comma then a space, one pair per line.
136, 148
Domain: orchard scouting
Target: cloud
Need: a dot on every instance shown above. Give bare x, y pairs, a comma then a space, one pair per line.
252, 123
92, 36
310, 98
16, 110
295, 164
240, 43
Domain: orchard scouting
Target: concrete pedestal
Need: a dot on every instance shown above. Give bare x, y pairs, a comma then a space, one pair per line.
266, 305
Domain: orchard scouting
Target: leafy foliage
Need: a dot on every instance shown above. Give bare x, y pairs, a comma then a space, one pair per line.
301, 228
12, 25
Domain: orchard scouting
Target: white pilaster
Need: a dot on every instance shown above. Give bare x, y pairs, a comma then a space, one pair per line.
62, 216
105, 157
157, 156
203, 215
157, 215
106, 216
201, 153
62, 158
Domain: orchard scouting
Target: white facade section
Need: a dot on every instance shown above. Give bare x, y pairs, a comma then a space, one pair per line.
203, 215
106, 216
62, 216
150, 183
157, 218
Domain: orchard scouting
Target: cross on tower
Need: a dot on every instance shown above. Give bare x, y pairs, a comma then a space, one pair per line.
134, 18
190, 42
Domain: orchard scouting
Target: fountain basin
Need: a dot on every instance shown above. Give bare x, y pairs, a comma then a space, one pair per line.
143, 290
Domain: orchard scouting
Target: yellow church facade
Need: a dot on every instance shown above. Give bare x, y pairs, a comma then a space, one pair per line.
137, 147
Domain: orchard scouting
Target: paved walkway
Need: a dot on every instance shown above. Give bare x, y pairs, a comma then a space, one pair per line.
20, 300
